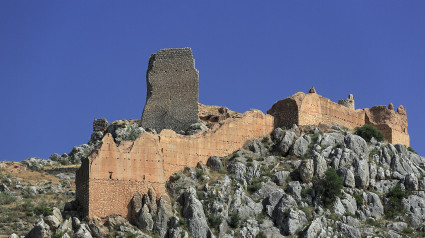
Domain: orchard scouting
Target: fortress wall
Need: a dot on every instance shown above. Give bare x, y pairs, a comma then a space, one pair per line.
315, 109
285, 113
392, 124
116, 173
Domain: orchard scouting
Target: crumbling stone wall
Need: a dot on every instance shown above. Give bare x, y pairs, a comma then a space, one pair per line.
109, 177
392, 124
312, 109
349, 102
172, 90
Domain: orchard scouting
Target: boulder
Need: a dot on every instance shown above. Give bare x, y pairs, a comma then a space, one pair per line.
145, 221
165, 212
193, 212
361, 172
300, 146
306, 170
40, 230
357, 144
286, 142
215, 163
280, 177
83, 232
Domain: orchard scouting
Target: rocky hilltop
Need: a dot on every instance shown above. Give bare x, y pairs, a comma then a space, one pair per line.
307, 182
309, 168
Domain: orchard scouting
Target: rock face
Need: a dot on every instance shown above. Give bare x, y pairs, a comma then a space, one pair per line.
172, 90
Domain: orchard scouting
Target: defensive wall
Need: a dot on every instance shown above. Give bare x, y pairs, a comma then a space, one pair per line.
312, 109
111, 175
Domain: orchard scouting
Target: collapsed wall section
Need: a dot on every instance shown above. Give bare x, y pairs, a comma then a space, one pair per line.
115, 173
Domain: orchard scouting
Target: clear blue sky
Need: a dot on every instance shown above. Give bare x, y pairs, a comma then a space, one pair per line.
65, 63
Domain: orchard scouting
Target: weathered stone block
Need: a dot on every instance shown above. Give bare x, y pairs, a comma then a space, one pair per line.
172, 90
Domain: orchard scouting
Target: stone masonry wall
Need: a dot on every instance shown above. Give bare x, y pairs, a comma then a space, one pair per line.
312, 109
116, 173
172, 90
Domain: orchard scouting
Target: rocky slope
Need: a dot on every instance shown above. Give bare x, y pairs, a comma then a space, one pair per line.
309, 182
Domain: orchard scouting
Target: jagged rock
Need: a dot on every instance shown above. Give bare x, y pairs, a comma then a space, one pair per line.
320, 165
145, 221
66, 226
331, 139
317, 228
349, 230
272, 200
137, 204
375, 205
75, 223
52, 221
40, 230
291, 220
361, 172
416, 206
347, 176
196, 128
280, 177
194, 214
294, 189
215, 163
239, 170
13, 235
338, 207
128, 132
411, 182
277, 134
286, 142
257, 147
300, 146
306, 170
244, 205
164, 214
115, 221
4, 188
97, 229
83, 232
357, 144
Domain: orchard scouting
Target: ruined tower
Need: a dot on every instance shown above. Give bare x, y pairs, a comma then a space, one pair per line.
349, 102
172, 90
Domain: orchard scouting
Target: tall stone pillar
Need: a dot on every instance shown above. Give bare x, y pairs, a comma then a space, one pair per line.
172, 90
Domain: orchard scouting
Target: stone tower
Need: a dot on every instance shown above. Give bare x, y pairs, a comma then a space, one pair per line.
349, 102
172, 90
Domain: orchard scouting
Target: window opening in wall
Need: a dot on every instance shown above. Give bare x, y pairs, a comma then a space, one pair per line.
110, 175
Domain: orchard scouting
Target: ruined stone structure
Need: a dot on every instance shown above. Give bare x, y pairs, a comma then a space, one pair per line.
108, 179
172, 90
312, 109
111, 175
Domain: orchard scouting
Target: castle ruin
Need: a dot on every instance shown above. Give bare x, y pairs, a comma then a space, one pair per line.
313, 109
108, 179
172, 90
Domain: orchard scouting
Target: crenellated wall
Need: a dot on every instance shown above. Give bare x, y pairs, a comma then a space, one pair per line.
109, 177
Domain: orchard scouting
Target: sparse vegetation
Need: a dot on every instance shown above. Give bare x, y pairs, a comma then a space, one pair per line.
368, 131
234, 220
394, 207
411, 150
329, 187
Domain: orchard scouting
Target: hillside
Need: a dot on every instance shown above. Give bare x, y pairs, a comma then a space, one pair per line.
307, 182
